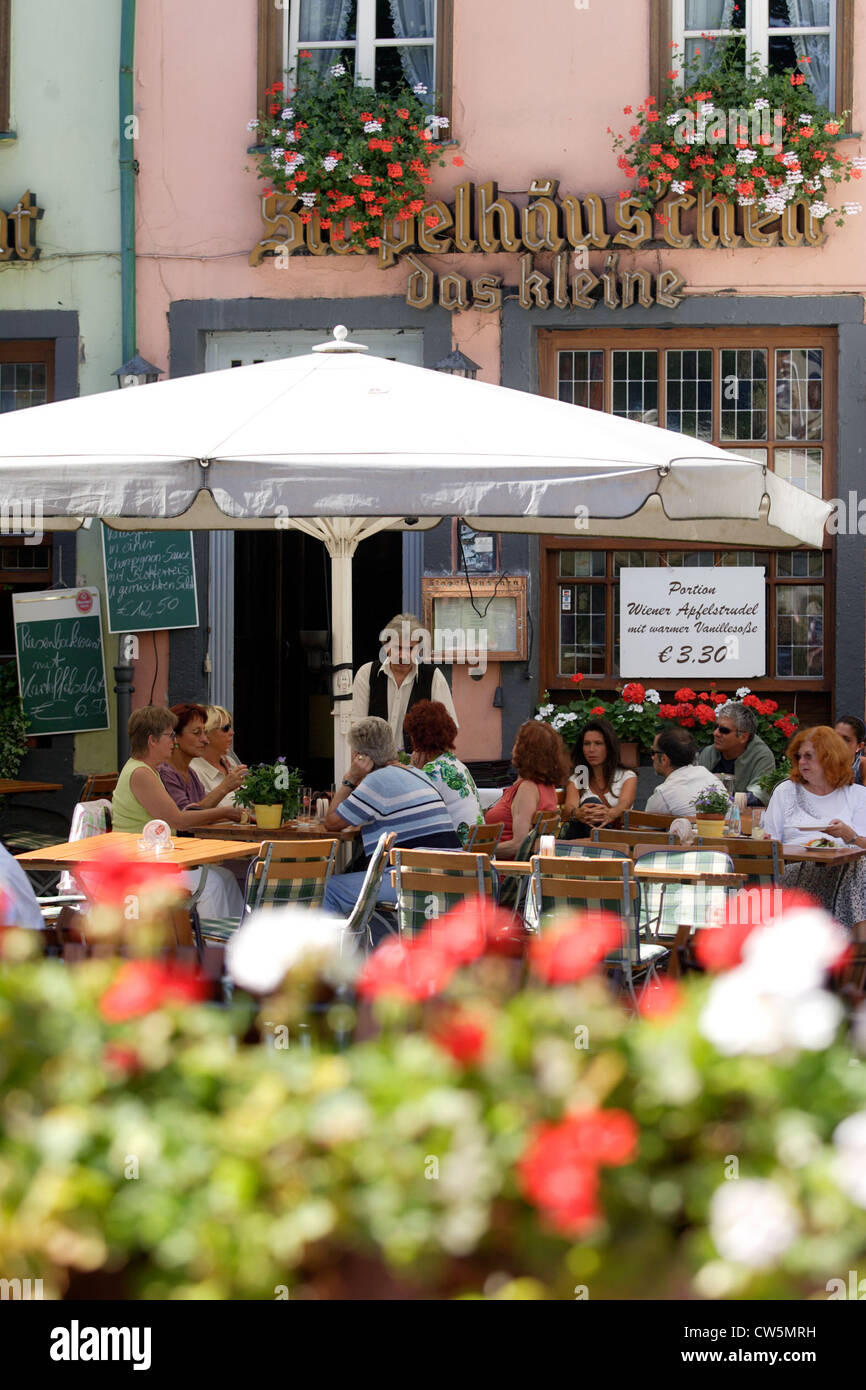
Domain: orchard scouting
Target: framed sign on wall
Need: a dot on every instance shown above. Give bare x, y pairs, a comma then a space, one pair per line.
463, 615
695, 622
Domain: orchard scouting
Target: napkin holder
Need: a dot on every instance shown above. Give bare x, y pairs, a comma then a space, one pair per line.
156, 837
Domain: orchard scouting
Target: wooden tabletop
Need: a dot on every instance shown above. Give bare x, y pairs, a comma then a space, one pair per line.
799, 854
187, 853
719, 880
292, 830
9, 787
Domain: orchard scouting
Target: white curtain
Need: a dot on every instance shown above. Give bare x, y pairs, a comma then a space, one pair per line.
414, 19
815, 46
710, 14
324, 19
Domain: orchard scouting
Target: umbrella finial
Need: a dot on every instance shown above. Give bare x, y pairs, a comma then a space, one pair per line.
339, 344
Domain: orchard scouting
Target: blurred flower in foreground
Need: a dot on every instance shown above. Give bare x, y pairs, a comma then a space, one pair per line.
272, 942
140, 986
774, 999
568, 950
463, 1035
850, 1165
113, 877
752, 1221
559, 1170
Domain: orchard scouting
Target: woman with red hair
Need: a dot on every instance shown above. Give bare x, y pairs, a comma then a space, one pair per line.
821, 801
433, 731
543, 764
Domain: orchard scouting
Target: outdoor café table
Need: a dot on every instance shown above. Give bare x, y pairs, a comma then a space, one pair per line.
187, 853
292, 830
798, 854
9, 787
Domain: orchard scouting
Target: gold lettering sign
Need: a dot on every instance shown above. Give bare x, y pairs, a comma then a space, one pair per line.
18, 230
483, 220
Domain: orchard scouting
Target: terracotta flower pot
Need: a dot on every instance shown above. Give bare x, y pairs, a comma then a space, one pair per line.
711, 826
630, 755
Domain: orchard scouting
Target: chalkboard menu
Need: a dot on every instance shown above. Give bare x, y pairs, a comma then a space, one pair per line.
61, 664
149, 580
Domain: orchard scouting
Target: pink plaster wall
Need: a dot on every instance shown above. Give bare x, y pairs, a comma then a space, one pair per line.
533, 96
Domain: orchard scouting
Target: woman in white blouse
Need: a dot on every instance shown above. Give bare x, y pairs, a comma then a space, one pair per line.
821, 800
217, 760
600, 789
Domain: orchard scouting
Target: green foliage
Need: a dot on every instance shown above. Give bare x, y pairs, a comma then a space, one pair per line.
798, 153
711, 802
352, 156
771, 780
271, 784
13, 723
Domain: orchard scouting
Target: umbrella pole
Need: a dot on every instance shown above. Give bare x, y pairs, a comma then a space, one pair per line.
341, 551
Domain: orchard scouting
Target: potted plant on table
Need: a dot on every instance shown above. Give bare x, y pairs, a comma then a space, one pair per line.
712, 807
271, 790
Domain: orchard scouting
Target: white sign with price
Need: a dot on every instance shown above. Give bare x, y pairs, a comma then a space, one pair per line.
702, 623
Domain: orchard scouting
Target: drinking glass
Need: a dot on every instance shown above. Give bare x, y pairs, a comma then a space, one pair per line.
306, 802
727, 781
759, 831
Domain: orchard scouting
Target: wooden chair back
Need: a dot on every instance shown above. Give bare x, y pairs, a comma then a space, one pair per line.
648, 819
632, 837
431, 882
484, 838
98, 785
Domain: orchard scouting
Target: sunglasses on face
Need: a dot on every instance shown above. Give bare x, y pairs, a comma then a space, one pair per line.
225, 728
655, 753
723, 729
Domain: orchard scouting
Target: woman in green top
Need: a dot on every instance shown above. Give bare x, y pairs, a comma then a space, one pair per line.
432, 731
139, 795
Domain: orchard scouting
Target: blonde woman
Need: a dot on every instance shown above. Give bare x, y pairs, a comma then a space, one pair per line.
218, 760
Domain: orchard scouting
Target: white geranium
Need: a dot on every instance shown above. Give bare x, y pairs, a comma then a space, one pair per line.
743, 691
805, 118
371, 127
789, 157
272, 942
252, 125
761, 104
794, 176
746, 156
820, 210
329, 163
419, 89
308, 199
338, 70
677, 186
276, 133
858, 161
638, 709
652, 697
544, 710
850, 1164
675, 117
288, 114
852, 209
825, 171
289, 138
752, 1221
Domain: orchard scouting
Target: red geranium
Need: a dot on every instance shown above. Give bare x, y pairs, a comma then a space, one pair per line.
576, 678
569, 950
141, 986
705, 714
598, 709
113, 877
634, 693
463, 1036
559, 1169
685, 694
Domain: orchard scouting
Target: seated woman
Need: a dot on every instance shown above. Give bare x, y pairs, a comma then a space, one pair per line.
182, 784
140, 796
821, 800
433, 731
599, 789
380, 795
217, 761
542, 763
852, 732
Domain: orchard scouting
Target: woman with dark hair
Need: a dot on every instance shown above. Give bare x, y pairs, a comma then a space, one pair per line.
542, 762
432, 732
852, 732
599, 789
819, 801
182, 784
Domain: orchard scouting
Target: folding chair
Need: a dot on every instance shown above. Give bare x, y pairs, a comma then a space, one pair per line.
512, 890
597, 861
98, 785
285, 871
668, 909
92, 818
360, 918
557, 883
762, 860
649, 820
627, 839
485, 838
430, 882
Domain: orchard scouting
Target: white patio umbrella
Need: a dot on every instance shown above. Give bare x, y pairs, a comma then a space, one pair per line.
341, 445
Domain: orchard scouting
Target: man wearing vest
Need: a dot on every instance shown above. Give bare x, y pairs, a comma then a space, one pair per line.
389, 687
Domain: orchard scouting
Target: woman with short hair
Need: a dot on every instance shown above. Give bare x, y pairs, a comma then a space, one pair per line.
218, 760
542, 763
820, 800
181, 783
433, 732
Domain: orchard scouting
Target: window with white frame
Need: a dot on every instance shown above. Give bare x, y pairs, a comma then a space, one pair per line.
384, 43
779, 32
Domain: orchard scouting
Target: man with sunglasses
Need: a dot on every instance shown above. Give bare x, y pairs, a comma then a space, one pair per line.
738, 749
673, 755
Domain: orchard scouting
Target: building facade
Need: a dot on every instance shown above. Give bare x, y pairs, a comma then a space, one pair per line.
535, 264
60, 318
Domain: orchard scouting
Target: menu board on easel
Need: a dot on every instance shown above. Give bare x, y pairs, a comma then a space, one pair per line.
61, 660
149, 580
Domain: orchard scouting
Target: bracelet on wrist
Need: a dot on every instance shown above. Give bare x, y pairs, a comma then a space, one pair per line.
350, 785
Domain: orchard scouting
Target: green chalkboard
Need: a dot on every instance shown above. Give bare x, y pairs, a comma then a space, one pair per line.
149, 580
61, 663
